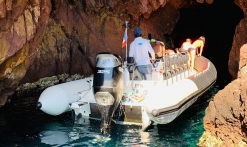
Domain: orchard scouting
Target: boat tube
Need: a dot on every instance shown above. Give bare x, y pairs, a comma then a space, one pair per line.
109, 96
55, 100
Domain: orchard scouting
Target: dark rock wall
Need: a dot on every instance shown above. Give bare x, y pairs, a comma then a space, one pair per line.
225, 117
41, 38
23, 25
218, 26
77, 31
240, 38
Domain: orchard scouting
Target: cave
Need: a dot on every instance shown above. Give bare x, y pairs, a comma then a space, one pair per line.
66, 35
63, 36
217, 22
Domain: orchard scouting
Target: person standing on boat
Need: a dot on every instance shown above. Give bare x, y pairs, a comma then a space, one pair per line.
158, 47
186, 45
140, 49
196, 45
186, 48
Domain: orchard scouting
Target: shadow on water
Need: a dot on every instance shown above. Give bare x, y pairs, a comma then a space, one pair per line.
21, 124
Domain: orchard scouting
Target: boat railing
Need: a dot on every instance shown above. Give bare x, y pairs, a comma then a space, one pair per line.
172, 68
175, 67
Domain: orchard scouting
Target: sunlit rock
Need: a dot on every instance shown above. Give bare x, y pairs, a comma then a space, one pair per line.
238, 41
225, 117
21, 31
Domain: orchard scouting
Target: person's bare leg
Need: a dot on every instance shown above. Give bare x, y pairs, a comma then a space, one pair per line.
189, 58
192, 59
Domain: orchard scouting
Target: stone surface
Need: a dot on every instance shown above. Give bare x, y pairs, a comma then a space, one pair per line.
22, 26
226, 116
42, 38
46, 38
239, 40
243, 5
243, 61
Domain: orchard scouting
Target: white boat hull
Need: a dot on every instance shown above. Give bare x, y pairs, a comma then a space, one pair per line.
56, 99
160, 100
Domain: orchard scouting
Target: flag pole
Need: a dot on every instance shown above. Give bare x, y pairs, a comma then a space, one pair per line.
126, 26
126, 75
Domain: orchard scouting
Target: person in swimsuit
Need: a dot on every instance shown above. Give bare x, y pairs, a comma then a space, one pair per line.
186, 48
195, 47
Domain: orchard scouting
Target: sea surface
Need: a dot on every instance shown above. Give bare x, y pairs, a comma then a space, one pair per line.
22, 125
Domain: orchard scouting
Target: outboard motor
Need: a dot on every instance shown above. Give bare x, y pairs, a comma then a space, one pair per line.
108, 86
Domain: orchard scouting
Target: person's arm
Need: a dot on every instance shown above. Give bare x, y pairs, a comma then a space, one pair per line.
201, 49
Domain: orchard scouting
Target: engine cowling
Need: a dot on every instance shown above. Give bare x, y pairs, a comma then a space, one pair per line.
108, 86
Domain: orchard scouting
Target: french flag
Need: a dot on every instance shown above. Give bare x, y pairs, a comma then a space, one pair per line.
125, 37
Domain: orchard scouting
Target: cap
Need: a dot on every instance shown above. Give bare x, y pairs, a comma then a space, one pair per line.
138, 31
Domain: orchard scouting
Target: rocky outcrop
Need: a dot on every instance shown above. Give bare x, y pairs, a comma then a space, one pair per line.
243, 5
42, 38
22, 26
225, 120
226, 115
240, 38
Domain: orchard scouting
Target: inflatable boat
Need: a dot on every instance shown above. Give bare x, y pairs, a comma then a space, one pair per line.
116, 91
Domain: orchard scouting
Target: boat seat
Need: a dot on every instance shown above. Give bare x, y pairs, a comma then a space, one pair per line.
170, 62
167, 75
158, 57
180, 71
177, 72
130, 60
131, 68
134, 73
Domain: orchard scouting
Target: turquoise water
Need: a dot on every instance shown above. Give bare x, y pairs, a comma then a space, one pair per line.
21, 124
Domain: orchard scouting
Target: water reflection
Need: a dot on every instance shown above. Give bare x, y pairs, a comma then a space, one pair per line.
86, 133
133, 136
22, 125
54, 134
